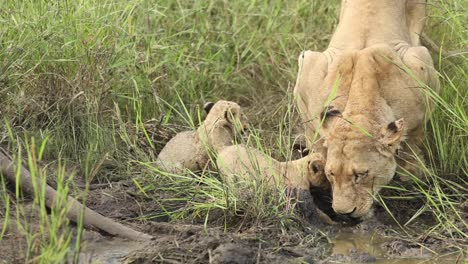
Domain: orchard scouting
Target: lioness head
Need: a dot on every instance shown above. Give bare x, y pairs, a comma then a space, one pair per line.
360, 159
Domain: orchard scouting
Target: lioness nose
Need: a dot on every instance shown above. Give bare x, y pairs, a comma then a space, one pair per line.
343, 212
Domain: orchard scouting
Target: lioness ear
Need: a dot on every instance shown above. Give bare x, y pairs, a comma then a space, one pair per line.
329, 112
207, 107
392, 133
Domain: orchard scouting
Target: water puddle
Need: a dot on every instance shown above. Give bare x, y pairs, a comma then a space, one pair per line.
348, 247
362, 242
348, 243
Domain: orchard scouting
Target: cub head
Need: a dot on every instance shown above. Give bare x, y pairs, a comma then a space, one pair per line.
360, 159
224, 120
315, 171
227, 114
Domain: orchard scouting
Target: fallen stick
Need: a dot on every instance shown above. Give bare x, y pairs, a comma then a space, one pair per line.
446, 54
90, 219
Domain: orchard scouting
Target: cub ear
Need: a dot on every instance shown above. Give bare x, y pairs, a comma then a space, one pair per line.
207, 107
393, 133
316, 175
231, 115
317, 166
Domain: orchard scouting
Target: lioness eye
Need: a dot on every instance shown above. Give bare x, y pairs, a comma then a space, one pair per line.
358, 176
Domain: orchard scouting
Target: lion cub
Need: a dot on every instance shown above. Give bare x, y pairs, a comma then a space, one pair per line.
240, 166
191, 150
239, 163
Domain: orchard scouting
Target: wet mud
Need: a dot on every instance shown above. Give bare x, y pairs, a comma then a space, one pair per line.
195, 244
377, 240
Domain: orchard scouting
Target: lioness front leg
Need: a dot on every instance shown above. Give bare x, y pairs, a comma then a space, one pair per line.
410, 160
309, 210
300, 190
409, 156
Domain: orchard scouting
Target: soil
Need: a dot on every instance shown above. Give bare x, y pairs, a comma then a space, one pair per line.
377, 240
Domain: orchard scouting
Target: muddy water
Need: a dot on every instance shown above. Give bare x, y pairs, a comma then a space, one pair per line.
349, 246
371, 243
362, 242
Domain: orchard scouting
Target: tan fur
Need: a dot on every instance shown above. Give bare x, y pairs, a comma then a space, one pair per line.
241, 167
190, 150
239, 163
364, 76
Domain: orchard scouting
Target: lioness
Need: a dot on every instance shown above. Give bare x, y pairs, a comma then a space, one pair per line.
364, 97
190, 150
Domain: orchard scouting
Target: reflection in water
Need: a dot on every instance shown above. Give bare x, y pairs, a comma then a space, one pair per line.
371, 243
362, 242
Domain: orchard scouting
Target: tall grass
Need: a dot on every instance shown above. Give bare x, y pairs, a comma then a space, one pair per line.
40, 234
88, 75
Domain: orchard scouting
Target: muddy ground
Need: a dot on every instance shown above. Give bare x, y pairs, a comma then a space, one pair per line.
378, 240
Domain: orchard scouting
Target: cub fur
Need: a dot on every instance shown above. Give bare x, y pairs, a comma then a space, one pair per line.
239, 163
191, 150
241, 167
